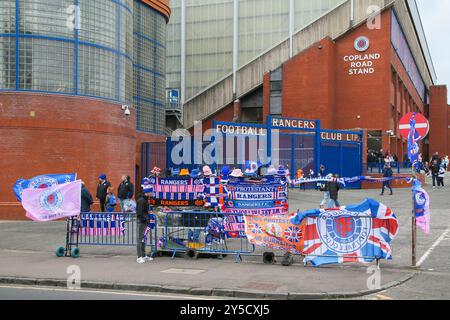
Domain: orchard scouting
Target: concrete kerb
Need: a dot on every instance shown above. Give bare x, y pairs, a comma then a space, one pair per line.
213, 292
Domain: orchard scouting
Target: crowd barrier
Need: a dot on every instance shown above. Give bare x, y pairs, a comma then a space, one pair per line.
200, 232
103, 229
195, 233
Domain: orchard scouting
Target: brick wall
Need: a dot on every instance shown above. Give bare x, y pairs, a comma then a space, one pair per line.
43, 134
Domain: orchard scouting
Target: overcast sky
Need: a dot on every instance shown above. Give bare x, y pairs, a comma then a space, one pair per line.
435, 15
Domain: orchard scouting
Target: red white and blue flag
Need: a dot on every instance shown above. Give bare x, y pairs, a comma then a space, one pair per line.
355, 233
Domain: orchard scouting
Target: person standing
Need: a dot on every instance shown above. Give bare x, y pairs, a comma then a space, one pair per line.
102, 190
86, 199
441, 176
143, 221
434, 168
125, 191
111, 200
387, 173
333, 189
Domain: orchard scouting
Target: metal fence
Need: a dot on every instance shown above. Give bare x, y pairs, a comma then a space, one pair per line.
200, 232
397, 167
103, 229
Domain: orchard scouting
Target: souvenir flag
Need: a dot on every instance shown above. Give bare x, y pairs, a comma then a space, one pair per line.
413, 144
355, 233
40, 182
60, 201
422, 207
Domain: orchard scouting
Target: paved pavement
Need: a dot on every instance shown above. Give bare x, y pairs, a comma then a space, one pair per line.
27, 251
15, 292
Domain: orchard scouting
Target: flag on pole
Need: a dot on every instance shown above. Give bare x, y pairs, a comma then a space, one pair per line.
60, 201
42, 181
413, 144
422, 207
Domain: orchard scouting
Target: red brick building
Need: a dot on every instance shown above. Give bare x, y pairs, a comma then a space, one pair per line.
62, 113
366, 78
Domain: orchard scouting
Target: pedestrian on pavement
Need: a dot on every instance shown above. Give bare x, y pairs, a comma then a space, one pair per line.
102, 190
441, 176
125, 191
323, 186
143, 221
111, 200
86, 199
387, 173
445, 162
333, 188
434, 168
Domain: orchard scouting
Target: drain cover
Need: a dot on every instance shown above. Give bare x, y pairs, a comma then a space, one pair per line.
184, 271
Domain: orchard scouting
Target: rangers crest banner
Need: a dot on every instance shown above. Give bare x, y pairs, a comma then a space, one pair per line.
40, 182
53, 203
421, 207
355, 233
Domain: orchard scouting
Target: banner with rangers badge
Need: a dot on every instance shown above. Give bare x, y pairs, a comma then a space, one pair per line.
40, 182
53, 203
354, 233
422, 207
276, 232
180, 192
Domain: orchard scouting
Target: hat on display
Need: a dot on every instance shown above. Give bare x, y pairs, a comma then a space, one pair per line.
226, 171
184, 172
207, 171
271, 171
156, 171
281, 171
174, 171
250, 173
237, 173
195, 173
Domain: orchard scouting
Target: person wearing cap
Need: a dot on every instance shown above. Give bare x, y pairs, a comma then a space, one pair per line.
143, 221
102, 190
387, 173
125, 191
86, 199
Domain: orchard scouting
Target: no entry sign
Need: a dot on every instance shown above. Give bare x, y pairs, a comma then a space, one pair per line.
422, 126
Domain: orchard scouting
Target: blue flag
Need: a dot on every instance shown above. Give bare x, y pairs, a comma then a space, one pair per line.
413, 144
40, 182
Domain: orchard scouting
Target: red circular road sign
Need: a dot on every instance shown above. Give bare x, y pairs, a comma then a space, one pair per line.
422, 126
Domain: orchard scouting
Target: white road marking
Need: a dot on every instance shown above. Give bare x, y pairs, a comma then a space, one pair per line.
112, 293
438, 241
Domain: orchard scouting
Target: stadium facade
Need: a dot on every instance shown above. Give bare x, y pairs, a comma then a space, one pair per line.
67, 67
351, 64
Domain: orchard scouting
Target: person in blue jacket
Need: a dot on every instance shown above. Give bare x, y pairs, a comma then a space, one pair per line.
387, 173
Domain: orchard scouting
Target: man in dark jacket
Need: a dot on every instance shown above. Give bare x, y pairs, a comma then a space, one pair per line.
143, 220
333, 189
102, 190
125, 190
387, 173
86, 199
434, 168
